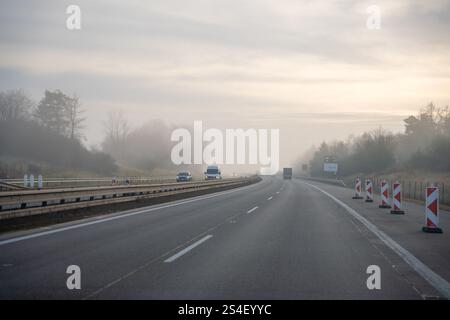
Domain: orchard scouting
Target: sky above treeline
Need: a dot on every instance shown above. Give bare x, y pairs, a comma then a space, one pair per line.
313, 69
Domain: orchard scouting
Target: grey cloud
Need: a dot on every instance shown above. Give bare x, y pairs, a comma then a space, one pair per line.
125, 89
113, 26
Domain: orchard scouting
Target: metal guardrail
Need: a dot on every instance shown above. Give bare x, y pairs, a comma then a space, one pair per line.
20, 180
32, 202
324, 180
94, 182
6, 186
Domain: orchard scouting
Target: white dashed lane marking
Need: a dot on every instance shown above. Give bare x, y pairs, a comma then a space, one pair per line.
187, 249
251, 210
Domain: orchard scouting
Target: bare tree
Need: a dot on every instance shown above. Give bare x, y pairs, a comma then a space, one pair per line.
444, 120
117, 131
14, 105
116, 126
74, 117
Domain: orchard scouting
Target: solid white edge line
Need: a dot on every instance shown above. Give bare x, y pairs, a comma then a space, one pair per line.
187, 249
429, 275
119, 216
252, 209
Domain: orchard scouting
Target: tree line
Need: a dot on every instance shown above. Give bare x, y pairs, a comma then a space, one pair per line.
49, 132
146, 147
424, 145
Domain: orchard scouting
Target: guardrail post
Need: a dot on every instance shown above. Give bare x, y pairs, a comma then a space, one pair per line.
409, 189
415, 182
420, 190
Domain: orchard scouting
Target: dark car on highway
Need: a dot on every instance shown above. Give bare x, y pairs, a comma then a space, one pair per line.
184, 176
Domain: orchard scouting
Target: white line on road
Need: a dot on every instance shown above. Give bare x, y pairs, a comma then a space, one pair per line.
252, 209
187, 249
429, 275
269, 198
121, 216
162, 256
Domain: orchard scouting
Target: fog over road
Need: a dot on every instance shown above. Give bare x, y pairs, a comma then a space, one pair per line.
277, 239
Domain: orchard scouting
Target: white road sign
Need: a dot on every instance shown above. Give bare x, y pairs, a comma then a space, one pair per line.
330, 167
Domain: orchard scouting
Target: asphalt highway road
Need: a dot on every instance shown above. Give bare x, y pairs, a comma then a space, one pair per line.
277, 239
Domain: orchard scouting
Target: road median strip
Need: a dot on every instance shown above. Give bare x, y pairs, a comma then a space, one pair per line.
37, 203
143, 210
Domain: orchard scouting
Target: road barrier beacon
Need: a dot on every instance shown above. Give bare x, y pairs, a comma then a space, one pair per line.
432, 210
31, 181
357, 189
25, 180
369, 191
397, 198
384, 195
40, 182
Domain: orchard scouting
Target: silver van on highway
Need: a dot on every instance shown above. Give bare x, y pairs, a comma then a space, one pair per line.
212, 173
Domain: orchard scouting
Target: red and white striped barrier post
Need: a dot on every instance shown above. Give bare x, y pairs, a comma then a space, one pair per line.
357, 189
432, 210
384, 195
369, 191
397, 198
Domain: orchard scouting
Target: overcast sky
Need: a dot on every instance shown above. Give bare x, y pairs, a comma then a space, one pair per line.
311, 68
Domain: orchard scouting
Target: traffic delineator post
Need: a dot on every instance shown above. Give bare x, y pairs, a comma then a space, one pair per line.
369, 191
432, 210
397, 198
357, 189
384, 195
